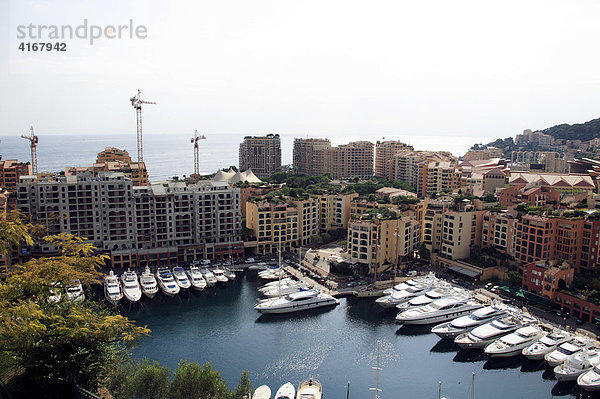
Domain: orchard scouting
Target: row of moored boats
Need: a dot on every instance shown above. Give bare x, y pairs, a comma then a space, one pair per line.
132, 286
498, 329
309, 389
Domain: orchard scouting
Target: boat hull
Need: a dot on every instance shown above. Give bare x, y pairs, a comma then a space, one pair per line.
298, 307
435, 319
150, 294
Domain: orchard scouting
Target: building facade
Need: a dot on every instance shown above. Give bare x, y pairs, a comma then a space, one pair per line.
307, 159
384, 155
261, 154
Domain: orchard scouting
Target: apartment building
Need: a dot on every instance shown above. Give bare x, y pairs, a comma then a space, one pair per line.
543, 277
307, 160
334, 211
163, 223
483, 154
351, 160
308, 219
427, 172
384, 155
433, 224
498, 231
114, 160
262, 154
10, 172
460, 232
273, 223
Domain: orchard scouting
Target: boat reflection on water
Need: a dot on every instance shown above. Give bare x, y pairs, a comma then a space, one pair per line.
569, 388
533, 365
445, 346
469, 356
414, 329
502, 363
281, 317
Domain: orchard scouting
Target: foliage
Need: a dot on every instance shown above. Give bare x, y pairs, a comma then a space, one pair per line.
192, 381
381, 213
13, 231
514, 278
424, 252
579, 131
402, 199
148, 381
489, 197
244, 387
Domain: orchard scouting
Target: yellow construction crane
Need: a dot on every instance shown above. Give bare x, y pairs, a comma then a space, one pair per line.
137, 102
197, 137
33, 141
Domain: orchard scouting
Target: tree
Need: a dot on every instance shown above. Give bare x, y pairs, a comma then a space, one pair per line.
149, 381
424, 252
514, 278
244, 387
13, 231
192, 381
62, 343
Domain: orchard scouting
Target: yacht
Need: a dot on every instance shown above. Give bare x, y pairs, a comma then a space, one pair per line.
441, 310
514, 343
112, 288
258, 266
429, 279
262, 392
439, 292
285, 289
309, 389
181, 278
209, 277
273, 284
296, 302
547, 344
485, 334
590, 380
286, 391
166, 282
131, 286
148, 283
398, 297
563, 351
577, 364
196, 278
75, 292
229, 273
452, 329
220, 276
272, 274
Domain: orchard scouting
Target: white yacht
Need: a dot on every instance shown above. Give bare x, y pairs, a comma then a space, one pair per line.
441, 310
285, 289
196, 278
452, 329
563, 351
258, 266
425, 280
112, 288
220, 276
181, 278
262, 392
273, 284
443, 290
131, 286
398, 297
209, 277
485, 334
547, 344
166, 282
514, 343
286, 391
590, 380
75, 292
272, 274
309, 389
229, 273
577, 364
296, 302
148, 283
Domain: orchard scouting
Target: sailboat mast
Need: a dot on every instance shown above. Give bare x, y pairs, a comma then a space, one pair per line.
377, 369
473, 385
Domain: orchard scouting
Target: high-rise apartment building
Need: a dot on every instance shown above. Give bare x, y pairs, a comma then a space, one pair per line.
115, 160
261, 154
10, 171
351, 160
307, 160
384, 155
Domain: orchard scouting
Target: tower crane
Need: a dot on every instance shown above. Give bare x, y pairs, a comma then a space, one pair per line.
33, 141
197, 137
137, 102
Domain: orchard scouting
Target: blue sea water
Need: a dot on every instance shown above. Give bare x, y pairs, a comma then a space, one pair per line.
171, 154
336, 346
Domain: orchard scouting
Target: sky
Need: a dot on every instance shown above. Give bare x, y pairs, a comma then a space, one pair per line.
322, 68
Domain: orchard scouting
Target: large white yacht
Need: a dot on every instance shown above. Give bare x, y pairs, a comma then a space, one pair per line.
209, 277
131, 286
75, 292
148, 283
483, 335
272, 274
442, 290
286, 391
284, 289
181, 278
262, 392
220, 276
309, 389
398, 297
546, 344
577, 364
196, 278
590, 380
560, 354
296, 302
272, 284
514, 343
112, 288
166, 282
452, 329
441, 310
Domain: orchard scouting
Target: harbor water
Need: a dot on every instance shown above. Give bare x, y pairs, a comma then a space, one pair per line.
336, 346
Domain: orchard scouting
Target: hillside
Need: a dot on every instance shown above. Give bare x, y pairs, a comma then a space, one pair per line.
579, 131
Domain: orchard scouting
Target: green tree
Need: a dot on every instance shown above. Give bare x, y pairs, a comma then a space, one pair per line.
149, 381
514, 278
13, 231
244, 387
192, 381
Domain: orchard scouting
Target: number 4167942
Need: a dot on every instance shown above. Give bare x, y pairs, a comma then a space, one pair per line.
43, 46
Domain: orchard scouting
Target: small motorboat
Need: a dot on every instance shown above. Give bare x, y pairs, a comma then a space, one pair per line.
148, 283
590, 380
166, 282
196, 278
209, 277
112, 289
75, 292
577, 364
309, 389
230, 274
220, 276
262, 392
286, 391
547, 344
131, 286
181, 278
258, 266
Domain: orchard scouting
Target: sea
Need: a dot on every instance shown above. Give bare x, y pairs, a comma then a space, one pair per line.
337, 346
171, 154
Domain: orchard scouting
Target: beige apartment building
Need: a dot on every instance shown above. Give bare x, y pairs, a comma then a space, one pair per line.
307, 159
114, 160
261, 154
384, 155
273, 223
426, 171
334, 211
460, 231
317, 157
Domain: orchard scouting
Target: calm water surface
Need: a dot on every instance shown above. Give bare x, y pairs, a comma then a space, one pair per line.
335, 346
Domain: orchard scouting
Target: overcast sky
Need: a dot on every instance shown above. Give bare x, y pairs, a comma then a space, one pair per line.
322, 68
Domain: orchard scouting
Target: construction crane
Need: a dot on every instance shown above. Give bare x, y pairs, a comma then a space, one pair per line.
197, 137
33, 141
137, 102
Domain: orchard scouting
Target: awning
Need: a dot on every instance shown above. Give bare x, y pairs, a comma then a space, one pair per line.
464, 270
